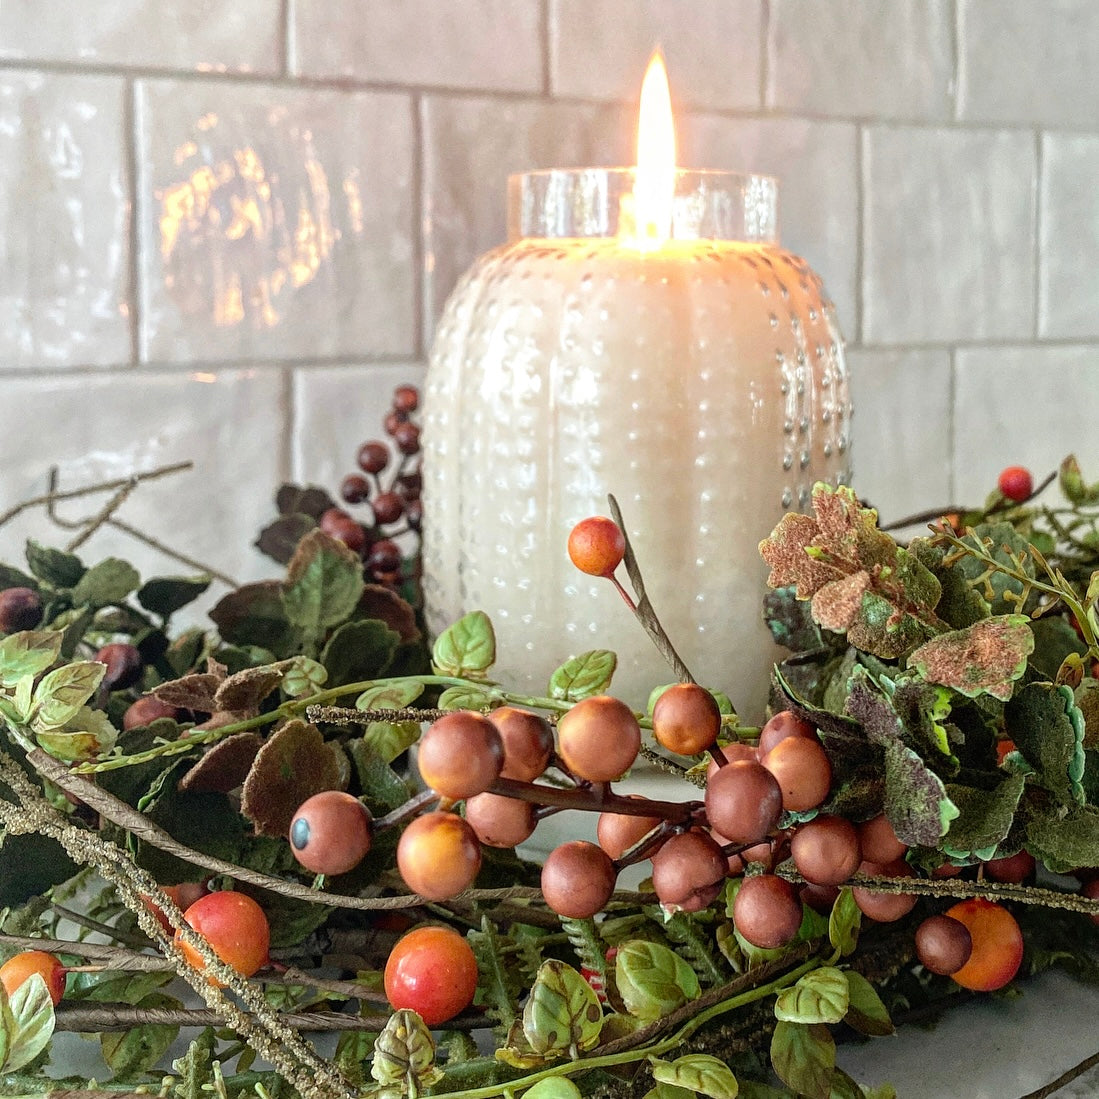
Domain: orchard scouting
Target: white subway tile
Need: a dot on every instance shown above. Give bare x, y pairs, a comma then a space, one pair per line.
1068, 275
599, 49
948, 235
1028, 406
901, 441
104, 426
336, 410
866, 58
1027, 62
64, 203
484, 44
471, 145
164, 34
274, 222
816, 166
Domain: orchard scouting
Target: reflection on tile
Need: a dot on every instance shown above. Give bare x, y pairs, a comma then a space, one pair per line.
273, 223
901, 430
1068, 284
816, 166
118, 425
470, 147
336, 410
876, 58
599, 49
1027, 406
476, 44
64, 283
948, 234
163, 34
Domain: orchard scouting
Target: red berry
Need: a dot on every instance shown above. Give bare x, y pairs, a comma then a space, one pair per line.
597, 546
1016, 483
235, 927
330, 833
432, 971
997, 944
146, 710
388, 507
21, 967
384, 556
20, 609
124, 665
373, 456
355, 488
407, 438
406, 398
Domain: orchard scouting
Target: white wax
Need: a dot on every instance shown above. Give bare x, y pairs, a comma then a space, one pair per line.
702, 384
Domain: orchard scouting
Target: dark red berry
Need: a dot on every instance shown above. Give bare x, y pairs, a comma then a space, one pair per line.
355, 488
393, 420
1016, 483
414, 514
409, 485
384, 557
124, 665
406, 398
146, 710
388, 507
20, 609
373, 456
407, 438
336, 523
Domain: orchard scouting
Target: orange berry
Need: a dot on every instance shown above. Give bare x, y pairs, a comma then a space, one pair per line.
686, 719
235, 927
997, 944
20, 968
597, 546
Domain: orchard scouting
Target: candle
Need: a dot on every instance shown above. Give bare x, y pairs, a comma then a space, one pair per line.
641, 334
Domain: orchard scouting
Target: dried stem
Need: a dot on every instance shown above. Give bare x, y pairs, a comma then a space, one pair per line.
1065, 1078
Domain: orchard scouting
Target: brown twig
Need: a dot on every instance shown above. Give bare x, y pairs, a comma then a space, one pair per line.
1065, 1078
123, 1017
168, 551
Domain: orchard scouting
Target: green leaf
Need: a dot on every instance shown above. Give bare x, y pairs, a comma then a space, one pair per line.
653, 980
699, 1072
985, 658
254, 614
1073, 485
583, 676
562, 1012
359, 650
109, 581
404, 1053
323, 584
466, 649
466, 697
389, 739
58, 569
132, 1052
279, 539
60, 695
7, 1027
984, 817
32, 1022
1048, 729
86, 735
29, 865
818, 997
1064, 843
804, 1056
27, 653
390, 696
164, 595
865, 1011
383, 788
844, 922
553, 1087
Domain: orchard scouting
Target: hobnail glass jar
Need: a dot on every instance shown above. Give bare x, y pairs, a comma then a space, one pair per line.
702, 382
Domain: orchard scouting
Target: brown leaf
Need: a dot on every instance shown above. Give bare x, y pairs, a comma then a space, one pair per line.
985, 658
378, 601
786, 552
192, 692
293, 765
224, 766
836, 606
246, 689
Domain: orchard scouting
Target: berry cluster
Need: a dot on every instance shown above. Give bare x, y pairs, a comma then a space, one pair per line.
389, 489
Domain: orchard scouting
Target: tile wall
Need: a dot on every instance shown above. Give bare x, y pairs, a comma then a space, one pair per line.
227, 227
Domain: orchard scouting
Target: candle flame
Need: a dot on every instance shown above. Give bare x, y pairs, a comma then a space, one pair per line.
654, 187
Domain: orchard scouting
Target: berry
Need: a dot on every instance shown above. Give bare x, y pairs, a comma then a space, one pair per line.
1015, 868
878, 842
384, 557
884, 907
438, 855
336, 523
578, 879
743, 801
784, 724
184, 895
618, 832
460, 754
407, 438
388, 507
410, 485
354, 489
22, 966
688, 871
803, 771
943, 944
373, 457
767, 911
826, 850
330, 832
146, 710
235, 927
20, 609
686, 719
1016, 483
500, 821
599, 738
393, 420
124, 665
414, 514
997, 944
433, 972
406, 398
528, 742
597, 546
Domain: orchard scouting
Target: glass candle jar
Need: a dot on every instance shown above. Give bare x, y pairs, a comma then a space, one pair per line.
701, 381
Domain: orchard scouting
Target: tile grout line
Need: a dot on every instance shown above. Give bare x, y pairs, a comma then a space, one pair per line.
419, 218
1039, 228
285, 25
862, 140
133, 263
546, 47
764, 50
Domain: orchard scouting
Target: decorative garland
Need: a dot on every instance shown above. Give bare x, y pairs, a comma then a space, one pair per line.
951, 683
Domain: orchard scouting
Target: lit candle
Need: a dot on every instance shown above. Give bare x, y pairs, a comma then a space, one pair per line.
641, 334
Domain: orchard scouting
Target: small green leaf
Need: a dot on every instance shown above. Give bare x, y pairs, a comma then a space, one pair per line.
844, 922
58, 569
865, 1011
553, 1087
464, 698
254, 614
384, 789
404, 1053
60, 695
323, 584
389, 739
804, 1057
390, 696
27, 653
109, 581
984, 816
653, 980
32, 1018
1048, 729
164, 595
1064, 843
86, 735
1073, 485
7, 1027
358, 651
985, 658
467, 648
700, 1073
818, 997
583, 676
562, 1012
134, 1051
